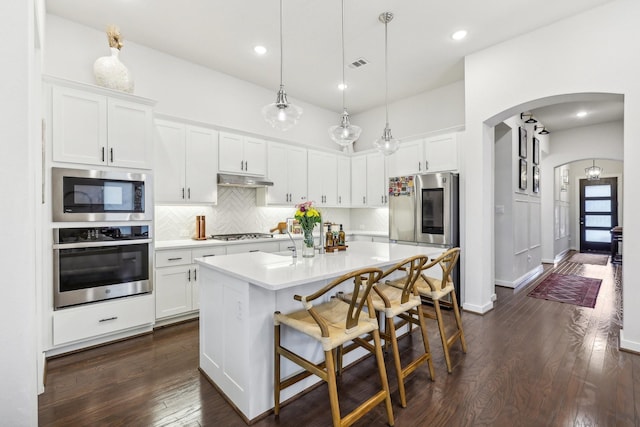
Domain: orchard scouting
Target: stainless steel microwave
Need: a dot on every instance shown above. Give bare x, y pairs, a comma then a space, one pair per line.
82, 195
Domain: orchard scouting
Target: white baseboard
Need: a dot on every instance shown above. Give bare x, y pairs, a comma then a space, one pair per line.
628, 345
515, 284
479, 309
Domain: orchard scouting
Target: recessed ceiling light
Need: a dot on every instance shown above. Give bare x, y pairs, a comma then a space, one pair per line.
342, 86
581, 114
260, 50
459, 35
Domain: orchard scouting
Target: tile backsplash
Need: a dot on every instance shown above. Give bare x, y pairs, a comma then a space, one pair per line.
237, 212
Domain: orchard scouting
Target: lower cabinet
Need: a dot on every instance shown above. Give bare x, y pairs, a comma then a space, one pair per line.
176, 280
95, 320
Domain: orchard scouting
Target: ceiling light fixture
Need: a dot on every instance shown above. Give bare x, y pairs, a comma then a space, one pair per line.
260, 50
459, 35
530, 118
581, 114
281, 114
345, 133
542, 132
593, 172
342, 86
387, 144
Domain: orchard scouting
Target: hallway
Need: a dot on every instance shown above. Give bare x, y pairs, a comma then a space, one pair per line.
531, 362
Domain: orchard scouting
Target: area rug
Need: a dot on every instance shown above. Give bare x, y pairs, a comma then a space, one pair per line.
589, 259
569, 289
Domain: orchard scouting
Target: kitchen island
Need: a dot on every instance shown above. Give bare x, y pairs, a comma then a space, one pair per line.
239, 294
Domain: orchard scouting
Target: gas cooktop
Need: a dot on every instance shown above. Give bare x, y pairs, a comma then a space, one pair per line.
241, 236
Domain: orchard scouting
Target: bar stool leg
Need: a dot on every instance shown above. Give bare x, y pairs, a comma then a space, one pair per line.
383, 376
425, 341
443, 337
333, 388
276, 371
456, 311
390, 335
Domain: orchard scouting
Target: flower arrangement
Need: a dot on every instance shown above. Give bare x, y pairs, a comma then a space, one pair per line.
308, 216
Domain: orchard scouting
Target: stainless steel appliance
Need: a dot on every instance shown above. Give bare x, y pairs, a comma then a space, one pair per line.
240, 236
93, 195
424, 210
99, 263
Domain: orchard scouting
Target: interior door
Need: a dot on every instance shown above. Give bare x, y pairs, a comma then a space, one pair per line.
598, 214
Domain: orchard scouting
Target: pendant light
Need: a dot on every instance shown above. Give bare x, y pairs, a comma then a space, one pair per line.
387, 144
345, 133
593, 172
281, 115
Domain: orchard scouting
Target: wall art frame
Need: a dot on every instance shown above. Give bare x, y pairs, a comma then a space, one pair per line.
536, 151
522, 147
522, 176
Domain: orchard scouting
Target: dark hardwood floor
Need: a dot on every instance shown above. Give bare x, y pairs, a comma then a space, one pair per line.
530, 362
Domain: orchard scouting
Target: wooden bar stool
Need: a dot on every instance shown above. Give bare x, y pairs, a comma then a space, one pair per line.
402, 301
333, 324
434, 290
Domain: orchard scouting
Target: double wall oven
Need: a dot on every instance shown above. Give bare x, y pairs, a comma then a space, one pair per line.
102, 243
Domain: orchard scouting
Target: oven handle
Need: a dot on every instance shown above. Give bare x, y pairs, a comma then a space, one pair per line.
100, 244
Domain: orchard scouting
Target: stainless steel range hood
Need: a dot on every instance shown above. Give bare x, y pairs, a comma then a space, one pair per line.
243, 181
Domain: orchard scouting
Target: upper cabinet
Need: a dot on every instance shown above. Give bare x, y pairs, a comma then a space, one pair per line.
287, 168
323, 178
242, 155
434, 154
100, 127
344, 181
368, 181
186, 159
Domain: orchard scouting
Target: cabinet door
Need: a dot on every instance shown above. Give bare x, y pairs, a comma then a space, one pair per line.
201, 165
278, 194
376, 181
344, 181
255, 154
169, 185
79, 128
359, 181
230, 152
129, 134
297, 174
441, 153
173, 290
315, 176
407, 160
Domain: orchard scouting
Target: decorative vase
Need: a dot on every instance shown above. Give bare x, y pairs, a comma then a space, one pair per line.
111, 73
307, 244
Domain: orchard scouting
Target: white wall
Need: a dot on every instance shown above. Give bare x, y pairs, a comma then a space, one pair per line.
20, 143
499, 84
421, 115
181, 89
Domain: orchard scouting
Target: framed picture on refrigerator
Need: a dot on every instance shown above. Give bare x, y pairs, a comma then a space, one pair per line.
522, 180
522, 150
536, 151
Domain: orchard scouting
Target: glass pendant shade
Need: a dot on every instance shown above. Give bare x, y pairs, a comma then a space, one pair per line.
345, 133
593, 172
387, 144
281, 114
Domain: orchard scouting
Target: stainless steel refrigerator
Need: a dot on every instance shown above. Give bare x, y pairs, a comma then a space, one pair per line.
424, 210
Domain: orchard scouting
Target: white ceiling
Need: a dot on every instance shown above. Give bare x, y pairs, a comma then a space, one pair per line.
422, 56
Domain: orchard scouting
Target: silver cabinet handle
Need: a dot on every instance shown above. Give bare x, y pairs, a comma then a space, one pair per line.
111, 154
102, 154
381, 199
241, 165
174, 259
340, 199
246, 165
364, 200
195, 275
189, 275
254, 250
207, 256
426, 165
419, 166
107, 319
183, 193
189, 193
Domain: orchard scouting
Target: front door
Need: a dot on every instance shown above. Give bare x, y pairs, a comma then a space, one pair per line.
598, 214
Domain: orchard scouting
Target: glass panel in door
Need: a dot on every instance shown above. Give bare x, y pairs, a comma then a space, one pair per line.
598, 214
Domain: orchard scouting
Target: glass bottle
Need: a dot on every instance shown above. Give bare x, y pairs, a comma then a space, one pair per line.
329, 237
341, 236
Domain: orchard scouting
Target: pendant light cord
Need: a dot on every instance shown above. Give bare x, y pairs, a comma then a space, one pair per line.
281, 50
386, 69
344, 85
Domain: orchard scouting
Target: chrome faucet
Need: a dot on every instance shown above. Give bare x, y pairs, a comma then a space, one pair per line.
321, 249
293, 248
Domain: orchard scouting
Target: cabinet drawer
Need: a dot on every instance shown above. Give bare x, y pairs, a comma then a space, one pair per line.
208, 251
252, 247
93, 320
173, 257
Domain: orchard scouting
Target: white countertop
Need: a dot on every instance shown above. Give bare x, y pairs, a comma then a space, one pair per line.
191, 243
274, 272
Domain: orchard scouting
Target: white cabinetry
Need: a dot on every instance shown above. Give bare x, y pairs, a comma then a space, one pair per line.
323, 178
186, 159
95, 320
368, 181
344, 181
434, 154
176, 280
254, 247
95, 126
408, 160
287, 168
241, 154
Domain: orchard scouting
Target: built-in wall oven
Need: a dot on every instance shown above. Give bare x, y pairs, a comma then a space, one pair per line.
82, 195
98, 263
